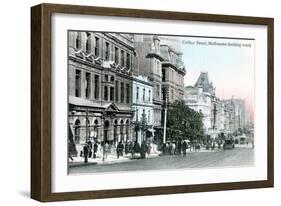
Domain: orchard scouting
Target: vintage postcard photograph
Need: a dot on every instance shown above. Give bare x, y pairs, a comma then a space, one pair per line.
143, 102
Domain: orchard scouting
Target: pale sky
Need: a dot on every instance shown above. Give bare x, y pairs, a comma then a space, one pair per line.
230, 65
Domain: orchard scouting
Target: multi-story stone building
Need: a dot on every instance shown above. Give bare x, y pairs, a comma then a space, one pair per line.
201, 98
237, 117
160, 59
143, 107
224, 117
149, 63
100, 86
173, 69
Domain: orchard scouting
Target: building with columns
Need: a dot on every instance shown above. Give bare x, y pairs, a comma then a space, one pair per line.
100, 86
143, 107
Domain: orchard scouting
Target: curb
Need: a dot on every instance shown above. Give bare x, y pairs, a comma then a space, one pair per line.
78, 164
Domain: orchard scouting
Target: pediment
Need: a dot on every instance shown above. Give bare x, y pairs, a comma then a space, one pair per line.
112, 107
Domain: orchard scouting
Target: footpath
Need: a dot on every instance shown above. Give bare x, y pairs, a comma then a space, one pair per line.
112, 158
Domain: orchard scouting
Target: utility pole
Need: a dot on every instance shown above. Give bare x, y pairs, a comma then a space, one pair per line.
165, 120
87, 126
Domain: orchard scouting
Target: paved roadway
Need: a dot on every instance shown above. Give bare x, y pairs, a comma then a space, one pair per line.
236, 157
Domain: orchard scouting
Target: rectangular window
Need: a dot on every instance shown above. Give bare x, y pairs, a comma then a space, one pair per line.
107, 51
78, 83
122, 58
97, 46
137, 93
163, 75
128, 93
97, 88
128, 61
116, 59
143, 94
111, 93
88, 84
157, 91
105, 93
88, 43
122, 92
116, 91
78, 41
149, 95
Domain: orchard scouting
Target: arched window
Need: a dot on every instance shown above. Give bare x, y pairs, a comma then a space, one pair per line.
88, 129
77, 131
106, 130
96, 128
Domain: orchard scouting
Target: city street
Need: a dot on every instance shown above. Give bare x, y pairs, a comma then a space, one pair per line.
237, 157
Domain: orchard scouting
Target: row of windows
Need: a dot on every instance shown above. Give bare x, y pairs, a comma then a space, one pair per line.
124, 129
174, 76
143, 94
143, 115
87, 84
108, 91
119, 54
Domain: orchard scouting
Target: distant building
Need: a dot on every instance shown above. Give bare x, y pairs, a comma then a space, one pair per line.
201, 98
143, 108
100, 86
238, 116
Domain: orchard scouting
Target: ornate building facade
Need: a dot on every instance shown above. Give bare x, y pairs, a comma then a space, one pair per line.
143, 107
160, 59
173, 70
100, 86
201, 98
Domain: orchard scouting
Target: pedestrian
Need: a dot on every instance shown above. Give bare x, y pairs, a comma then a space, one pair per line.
86, 152
120, 148
136, 148
90, 146
126, 147
143, 149
130, 147
213, 145
99, 151
106, 150
149, 147
184, 147
164, 148
179, 147
95, 150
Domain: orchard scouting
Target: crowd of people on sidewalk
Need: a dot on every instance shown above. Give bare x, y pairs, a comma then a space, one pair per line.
128, 149
179, 146
132, 149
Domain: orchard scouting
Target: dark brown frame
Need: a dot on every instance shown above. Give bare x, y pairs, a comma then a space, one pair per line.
41, 101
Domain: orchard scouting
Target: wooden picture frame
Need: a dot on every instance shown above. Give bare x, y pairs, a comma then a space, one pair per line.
41, 98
